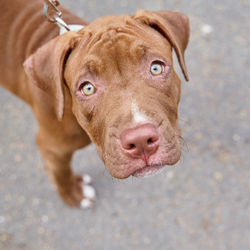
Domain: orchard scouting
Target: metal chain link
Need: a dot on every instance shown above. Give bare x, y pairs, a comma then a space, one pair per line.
53, 15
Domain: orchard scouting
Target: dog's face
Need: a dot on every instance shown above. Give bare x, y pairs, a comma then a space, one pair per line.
125, 92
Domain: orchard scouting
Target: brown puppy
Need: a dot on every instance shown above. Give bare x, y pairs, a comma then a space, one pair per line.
112, 83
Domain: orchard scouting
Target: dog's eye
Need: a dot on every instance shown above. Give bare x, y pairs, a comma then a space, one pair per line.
87, 89
156, 68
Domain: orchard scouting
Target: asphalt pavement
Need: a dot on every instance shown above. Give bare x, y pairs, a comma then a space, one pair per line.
201, 203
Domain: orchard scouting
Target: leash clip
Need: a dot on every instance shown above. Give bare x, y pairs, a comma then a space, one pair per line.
53, 15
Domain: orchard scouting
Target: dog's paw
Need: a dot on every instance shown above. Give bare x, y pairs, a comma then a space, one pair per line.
89, 193
78, 192
87, 179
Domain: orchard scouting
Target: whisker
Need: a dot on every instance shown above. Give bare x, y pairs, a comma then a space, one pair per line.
184, 121
181, 159
112, 179
184, 143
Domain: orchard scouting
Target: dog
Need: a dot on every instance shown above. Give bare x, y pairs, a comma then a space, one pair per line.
112, 83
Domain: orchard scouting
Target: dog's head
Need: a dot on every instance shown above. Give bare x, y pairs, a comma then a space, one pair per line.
125, 93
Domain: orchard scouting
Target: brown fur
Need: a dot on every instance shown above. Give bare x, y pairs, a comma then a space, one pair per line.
114, 53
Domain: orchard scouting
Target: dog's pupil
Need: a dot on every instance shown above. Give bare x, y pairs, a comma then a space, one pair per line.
155, 68
89, 88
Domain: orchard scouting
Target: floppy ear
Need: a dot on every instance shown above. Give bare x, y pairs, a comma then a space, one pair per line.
172, 25
45, 68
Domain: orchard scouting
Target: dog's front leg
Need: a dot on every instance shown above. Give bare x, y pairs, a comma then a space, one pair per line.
75, 190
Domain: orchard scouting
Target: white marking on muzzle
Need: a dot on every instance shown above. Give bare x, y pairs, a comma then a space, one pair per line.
138, 117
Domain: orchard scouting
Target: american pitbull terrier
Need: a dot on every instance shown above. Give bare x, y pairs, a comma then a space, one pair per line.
112, 82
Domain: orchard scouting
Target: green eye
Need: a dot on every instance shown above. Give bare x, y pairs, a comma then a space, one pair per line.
87, 89
156, 68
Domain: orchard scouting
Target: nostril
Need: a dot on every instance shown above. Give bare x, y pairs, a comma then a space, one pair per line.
131, 146
150, 141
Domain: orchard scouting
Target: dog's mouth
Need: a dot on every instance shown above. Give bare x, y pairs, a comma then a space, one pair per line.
122, 164
155, 167
148, 170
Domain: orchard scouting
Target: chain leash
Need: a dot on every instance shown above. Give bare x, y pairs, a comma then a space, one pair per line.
53, 15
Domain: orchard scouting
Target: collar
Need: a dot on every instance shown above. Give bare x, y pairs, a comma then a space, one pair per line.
72, 27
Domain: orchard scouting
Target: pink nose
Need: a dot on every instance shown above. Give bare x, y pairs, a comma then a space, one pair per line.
140, 142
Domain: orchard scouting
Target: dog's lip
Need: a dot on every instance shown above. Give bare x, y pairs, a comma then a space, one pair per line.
151, 168
147, 170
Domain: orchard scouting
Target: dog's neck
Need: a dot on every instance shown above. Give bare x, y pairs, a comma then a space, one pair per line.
23, 31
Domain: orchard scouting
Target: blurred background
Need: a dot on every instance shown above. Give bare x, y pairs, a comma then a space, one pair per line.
201, 203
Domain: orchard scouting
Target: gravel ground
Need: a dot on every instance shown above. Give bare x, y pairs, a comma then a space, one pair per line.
201, 203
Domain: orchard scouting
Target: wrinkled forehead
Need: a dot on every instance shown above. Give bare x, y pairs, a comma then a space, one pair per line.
117, 41
121, 31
